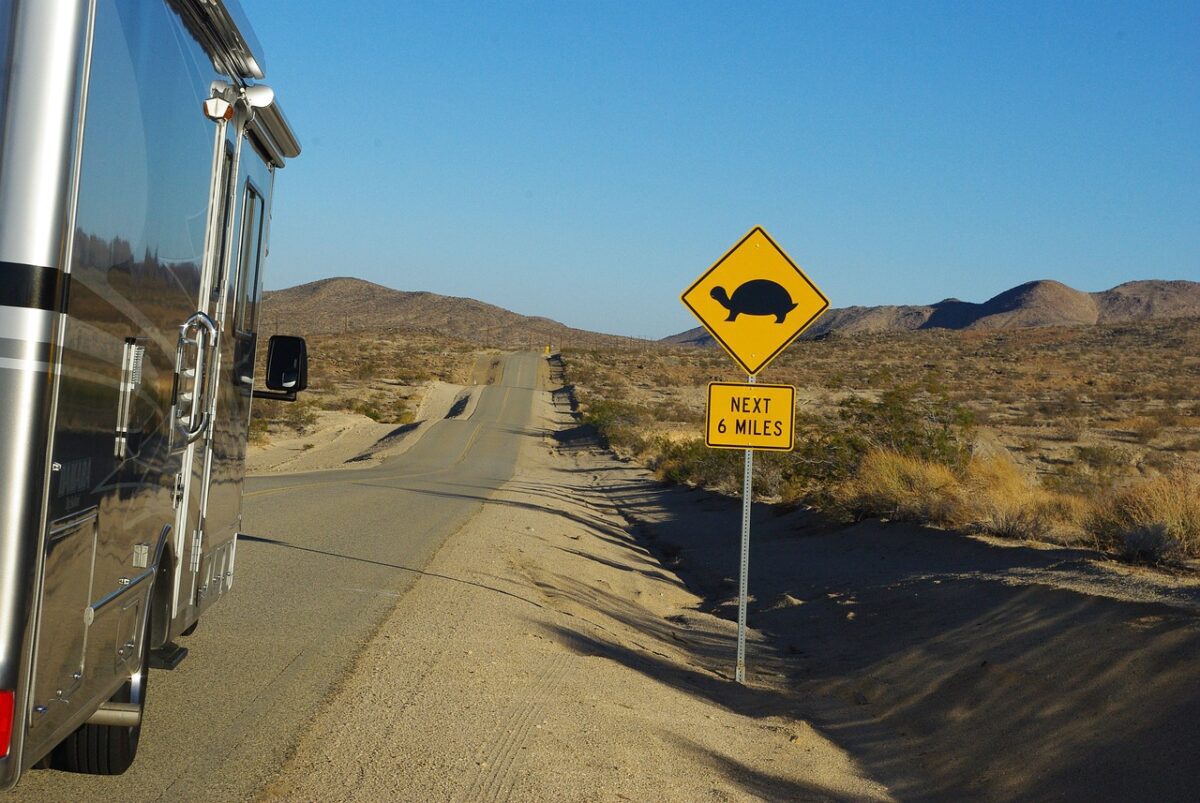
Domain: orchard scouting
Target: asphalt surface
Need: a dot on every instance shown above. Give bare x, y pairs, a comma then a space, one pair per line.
328, 556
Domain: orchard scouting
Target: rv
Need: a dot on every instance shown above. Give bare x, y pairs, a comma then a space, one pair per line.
138, 152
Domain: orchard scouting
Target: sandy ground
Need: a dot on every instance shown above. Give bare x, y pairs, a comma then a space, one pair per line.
574, 641
546, 655
349, 440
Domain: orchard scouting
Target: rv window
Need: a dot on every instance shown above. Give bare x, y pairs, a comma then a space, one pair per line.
248, 261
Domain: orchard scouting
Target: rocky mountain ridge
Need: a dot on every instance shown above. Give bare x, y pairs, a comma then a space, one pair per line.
1038, 303
344, 304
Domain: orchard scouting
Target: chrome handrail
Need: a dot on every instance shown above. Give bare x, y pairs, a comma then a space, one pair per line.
193, 424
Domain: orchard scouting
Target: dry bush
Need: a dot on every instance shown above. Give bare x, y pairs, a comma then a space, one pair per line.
1145, 428
1072, 429
1157, 520
992, 496
896, 486
1000, 499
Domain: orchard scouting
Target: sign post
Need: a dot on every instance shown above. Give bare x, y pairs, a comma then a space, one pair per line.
739, 670
754, 301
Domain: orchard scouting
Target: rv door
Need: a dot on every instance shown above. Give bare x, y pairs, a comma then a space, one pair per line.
198, 381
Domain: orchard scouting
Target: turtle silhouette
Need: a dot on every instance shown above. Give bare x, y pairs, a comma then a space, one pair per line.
756, 297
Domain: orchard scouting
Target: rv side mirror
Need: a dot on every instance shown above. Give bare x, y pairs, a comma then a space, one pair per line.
287, 367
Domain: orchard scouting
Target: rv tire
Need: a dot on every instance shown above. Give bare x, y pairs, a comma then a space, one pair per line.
108, 749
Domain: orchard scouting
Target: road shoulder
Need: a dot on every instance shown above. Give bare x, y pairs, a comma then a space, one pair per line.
546, 655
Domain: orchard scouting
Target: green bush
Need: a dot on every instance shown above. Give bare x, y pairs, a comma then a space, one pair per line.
927, 427
691, 462
616, 422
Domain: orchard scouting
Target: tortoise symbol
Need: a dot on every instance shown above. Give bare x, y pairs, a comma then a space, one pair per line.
756, 297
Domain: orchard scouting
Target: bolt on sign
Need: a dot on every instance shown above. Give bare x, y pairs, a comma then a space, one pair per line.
745, 416
755, 301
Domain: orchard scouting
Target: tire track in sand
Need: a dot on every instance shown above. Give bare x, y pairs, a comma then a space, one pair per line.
498, 761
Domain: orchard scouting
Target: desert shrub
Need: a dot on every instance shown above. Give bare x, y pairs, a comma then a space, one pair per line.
617, 422
368, 409
1157, 520
383, 408
691, 462
1184, 445
1072, 429
259, 431
829, 452
897, 486
928, 427
298, 415
1094, 471
992, 496
1000, 499
398, 412
1162, 462
1145, 428
676, 411
335, 403
1104, 460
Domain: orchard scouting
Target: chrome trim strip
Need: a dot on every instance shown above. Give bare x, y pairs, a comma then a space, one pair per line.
112, 595
120, 715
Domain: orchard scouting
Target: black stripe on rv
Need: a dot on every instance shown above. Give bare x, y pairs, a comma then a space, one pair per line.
32, 286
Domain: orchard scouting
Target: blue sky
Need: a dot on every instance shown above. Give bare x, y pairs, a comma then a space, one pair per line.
587, 160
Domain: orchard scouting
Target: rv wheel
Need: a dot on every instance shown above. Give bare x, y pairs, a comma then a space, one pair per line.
108, 749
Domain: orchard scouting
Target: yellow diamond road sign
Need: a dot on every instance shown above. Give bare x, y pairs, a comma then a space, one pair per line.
755, 301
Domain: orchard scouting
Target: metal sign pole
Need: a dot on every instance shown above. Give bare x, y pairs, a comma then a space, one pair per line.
739, 673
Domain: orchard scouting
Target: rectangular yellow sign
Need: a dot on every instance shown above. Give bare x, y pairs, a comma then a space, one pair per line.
750, 416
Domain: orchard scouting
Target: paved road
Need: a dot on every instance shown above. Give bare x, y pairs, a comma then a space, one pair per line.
331, 553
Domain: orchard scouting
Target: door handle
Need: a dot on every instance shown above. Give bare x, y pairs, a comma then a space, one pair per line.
194, 421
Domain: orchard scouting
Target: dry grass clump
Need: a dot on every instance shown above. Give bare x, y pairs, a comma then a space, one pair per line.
991, 495
1158, 520
896, 486
1000, 499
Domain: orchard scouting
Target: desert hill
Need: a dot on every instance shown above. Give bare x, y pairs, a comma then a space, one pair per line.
1037, 303
344, 304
